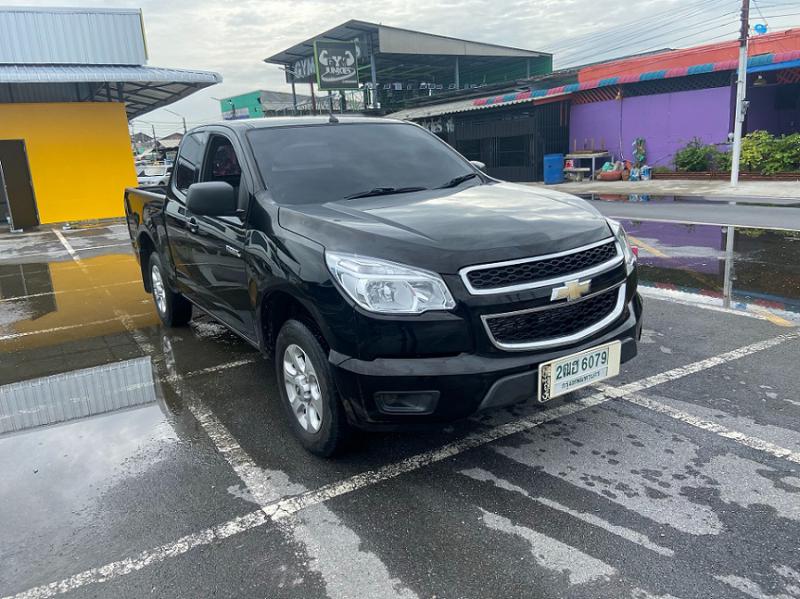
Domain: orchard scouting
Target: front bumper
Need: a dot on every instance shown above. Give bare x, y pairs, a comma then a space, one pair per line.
464, 383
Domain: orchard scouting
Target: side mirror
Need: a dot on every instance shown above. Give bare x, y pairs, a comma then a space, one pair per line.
213, 198
478, 165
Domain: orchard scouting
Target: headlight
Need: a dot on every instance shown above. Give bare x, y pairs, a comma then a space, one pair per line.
622, 238
387, 287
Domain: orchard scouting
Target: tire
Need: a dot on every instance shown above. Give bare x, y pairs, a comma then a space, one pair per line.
173, 309
313, 407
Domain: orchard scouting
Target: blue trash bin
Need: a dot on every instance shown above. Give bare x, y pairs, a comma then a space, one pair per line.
553, 168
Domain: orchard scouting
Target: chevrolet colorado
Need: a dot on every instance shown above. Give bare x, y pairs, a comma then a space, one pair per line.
391, 281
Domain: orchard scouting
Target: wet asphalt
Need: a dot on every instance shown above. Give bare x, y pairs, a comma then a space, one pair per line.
139, 461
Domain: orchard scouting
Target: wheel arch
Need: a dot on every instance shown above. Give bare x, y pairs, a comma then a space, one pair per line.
279, 305
145, 246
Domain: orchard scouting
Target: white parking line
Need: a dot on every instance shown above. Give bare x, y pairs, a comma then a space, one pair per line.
63, 291
100, 247
66, 327
146, 558
682, 371
220, 367
289, 506
706, 425
66, 244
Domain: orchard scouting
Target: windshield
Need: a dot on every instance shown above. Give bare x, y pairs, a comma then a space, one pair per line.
322, 163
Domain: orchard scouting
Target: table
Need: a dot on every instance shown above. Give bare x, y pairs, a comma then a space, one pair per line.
589, 155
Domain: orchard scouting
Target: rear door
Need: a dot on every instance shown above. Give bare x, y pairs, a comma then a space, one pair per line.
216, 244
187, 171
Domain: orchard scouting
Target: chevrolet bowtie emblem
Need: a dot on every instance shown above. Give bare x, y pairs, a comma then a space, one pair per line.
571, 290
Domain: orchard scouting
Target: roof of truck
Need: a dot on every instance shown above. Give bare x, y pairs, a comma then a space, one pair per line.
280, 121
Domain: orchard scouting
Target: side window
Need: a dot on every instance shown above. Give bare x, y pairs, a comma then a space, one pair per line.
187, 168
222, 164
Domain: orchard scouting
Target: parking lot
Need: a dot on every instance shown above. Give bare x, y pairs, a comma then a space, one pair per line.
139, 461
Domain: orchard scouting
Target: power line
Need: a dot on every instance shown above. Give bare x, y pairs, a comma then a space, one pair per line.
666, 26
790, 14
761, 14
576, 59
664, 35
615, 30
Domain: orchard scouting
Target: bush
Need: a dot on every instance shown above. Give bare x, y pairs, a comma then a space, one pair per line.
762, 152
767, 154
697, 156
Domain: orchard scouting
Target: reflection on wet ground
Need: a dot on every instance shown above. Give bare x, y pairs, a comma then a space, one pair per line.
40, 303
762, 266
77, 394
646, 198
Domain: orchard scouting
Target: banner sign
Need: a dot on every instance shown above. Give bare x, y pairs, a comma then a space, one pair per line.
336, 64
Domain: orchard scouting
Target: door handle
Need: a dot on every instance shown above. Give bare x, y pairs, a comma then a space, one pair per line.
233, 251
193, 225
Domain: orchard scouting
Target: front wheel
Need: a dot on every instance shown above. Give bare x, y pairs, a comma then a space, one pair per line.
307, 390
173, 309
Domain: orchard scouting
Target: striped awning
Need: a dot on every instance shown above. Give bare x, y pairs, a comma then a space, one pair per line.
763, 62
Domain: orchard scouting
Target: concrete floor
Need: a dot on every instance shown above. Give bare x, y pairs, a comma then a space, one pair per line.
745, 189
155, 462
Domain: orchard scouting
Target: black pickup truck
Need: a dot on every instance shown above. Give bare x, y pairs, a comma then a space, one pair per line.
390, 279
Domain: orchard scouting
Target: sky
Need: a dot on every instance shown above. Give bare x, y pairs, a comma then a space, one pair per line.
233, 38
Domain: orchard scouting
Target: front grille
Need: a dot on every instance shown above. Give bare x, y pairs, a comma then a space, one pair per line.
495, 277
557, 322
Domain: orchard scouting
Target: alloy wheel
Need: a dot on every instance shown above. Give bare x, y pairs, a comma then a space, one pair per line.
159, 292
302, 388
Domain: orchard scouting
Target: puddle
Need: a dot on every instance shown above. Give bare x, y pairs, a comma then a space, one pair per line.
46, 303
78, 432
761, 269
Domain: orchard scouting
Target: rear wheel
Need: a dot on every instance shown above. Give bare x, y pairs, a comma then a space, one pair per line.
307, 390
173, 309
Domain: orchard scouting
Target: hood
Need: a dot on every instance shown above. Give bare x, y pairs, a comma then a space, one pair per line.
444, 230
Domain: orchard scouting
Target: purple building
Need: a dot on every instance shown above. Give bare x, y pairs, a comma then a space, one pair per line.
666, 98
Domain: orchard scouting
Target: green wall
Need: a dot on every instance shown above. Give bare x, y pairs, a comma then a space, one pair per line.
250, 101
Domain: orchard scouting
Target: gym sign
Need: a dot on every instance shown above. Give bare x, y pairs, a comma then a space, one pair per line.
336, 64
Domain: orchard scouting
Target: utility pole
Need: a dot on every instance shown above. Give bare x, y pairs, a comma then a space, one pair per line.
741, 89
183, 118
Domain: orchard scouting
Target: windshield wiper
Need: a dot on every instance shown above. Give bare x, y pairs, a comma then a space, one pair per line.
458, 180
382, 191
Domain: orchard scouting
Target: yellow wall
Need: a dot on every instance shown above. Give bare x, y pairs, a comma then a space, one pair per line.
79, 155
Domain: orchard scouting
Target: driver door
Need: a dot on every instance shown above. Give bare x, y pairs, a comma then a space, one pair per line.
216, 243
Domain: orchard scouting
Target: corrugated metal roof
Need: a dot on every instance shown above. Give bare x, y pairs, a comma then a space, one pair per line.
77, 394
434, 110
71, 36
101, 74
141, 88
397, 40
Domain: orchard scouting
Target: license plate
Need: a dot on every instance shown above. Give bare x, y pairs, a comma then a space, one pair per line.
578, 370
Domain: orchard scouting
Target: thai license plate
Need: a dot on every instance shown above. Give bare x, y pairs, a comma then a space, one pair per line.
578, 370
